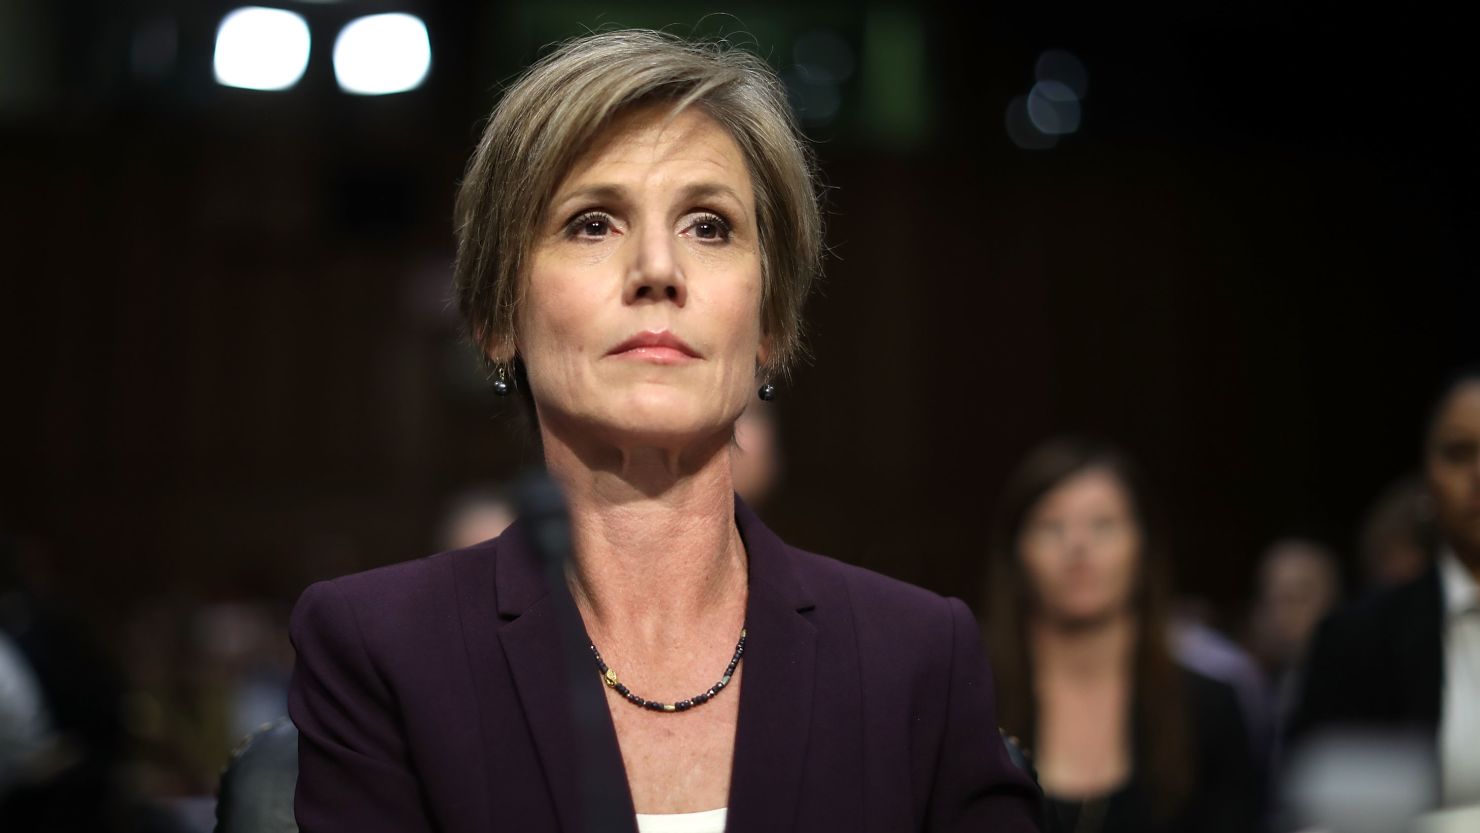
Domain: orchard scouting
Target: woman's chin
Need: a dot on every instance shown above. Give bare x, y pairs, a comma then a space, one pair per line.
654, 422
646, 416
1086, 615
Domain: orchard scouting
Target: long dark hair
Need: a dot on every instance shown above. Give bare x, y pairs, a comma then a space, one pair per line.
1161, 730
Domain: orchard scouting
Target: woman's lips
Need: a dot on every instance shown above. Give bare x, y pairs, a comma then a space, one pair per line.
656, 355
655, 347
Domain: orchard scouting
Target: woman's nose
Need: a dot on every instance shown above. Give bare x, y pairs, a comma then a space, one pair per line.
655, 273
1077, 540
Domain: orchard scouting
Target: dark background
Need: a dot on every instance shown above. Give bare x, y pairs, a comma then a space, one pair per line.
229, 367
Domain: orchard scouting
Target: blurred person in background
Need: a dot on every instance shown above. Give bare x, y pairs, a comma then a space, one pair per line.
474, 516
1199, 645
1406, 660
1397, 541
1123, 738
239, 650
68, 700
180, 738
755, 459
638, 230
202, 676
1299, 582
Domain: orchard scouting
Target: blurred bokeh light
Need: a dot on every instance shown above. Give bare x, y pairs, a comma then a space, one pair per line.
382, 54
259, 48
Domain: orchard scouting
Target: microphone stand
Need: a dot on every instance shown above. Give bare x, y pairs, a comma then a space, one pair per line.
604, 802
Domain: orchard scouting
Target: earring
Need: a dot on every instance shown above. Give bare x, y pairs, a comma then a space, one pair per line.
501, 384
767, 392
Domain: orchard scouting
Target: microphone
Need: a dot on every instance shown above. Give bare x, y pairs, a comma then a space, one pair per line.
604, 794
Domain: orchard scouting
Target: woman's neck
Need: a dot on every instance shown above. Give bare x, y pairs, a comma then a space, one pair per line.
648, 518
1100, 651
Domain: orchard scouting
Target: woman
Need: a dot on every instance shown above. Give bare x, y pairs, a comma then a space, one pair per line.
1406, 659
637, 232
1122, 738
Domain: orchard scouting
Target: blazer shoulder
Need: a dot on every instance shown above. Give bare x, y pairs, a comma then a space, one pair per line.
1370, 618
900, 627
875, 592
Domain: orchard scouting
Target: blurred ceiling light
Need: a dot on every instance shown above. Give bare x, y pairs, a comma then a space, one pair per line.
261, 49
382, 53
815, 102
824, 56
1053, 108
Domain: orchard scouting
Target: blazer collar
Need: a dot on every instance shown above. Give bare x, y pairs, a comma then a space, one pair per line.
519, 578
771, 561
776, 693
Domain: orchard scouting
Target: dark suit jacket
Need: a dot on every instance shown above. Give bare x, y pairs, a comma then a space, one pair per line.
430, 697
1226, 792
1378, 663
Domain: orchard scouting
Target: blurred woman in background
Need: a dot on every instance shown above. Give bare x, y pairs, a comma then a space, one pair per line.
1122, 737
1406, 660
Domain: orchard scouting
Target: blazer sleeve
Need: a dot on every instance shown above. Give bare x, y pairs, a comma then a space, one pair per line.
354, 773
977, 786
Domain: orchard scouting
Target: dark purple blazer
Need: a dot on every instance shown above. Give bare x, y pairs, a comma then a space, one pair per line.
429, 697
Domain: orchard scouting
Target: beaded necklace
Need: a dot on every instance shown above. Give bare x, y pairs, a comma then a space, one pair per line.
609, 677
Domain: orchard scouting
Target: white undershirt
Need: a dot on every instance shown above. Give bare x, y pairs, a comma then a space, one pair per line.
1459, 720
708, 821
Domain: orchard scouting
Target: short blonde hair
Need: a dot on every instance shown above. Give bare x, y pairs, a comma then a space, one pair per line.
557, 107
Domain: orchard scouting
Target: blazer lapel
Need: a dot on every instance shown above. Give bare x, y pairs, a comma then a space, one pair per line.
581, 758
1420, 634
777, 690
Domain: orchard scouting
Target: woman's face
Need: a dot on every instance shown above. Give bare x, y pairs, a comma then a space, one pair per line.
641, 317
1081, 549
1452, 469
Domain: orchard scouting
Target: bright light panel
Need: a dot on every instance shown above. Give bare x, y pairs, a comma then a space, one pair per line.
261, 49
382, 53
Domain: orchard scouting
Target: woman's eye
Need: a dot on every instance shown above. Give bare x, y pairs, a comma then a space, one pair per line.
1049, 530
590, 226
1459, 453
710, 227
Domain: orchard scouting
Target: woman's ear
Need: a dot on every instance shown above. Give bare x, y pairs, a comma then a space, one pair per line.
764, 352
